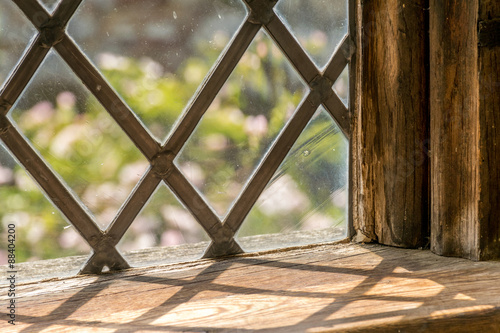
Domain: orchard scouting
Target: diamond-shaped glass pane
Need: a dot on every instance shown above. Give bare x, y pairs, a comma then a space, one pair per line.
241, 124
306, 201
50, 5
155, 53
163, 222
319, 25
15, 33
341, 86
78, 138
41, 230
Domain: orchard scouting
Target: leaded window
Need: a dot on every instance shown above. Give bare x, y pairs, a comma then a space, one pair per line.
149, 123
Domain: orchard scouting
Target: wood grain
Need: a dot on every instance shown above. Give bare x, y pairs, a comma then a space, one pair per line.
489, 145
390, 182
454, 128
465, 116
329, 288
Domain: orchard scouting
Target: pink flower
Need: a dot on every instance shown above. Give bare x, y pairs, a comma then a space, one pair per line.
256, 126
66, 100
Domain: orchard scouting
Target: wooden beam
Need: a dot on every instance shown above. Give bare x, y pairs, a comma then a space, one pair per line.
465, 115
454, 128
390, 170
489, 144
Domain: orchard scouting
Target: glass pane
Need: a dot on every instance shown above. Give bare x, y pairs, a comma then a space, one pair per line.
50, 5
341, 86
155, 53
241, 124
78, 138
319, 25
306, 201
15, 33
163, 222
41, 230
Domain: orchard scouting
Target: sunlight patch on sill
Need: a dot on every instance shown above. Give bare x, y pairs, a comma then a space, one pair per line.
462, 310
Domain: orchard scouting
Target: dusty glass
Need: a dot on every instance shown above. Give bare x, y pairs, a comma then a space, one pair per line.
13, 42
155, 54
78, 138
163, 221
242, 123
159, 57
319, 25
309, 192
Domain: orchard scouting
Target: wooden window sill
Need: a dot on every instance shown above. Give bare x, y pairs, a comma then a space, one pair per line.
325, 288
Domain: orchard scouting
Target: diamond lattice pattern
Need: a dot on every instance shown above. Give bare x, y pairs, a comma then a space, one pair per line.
237, 109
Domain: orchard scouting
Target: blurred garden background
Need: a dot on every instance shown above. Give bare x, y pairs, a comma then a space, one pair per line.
156, 55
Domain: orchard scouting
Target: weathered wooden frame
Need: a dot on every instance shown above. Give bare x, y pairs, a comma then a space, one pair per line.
52, 34
425, 130
465, 140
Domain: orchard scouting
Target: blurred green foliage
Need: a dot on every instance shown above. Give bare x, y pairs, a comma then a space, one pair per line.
93, 156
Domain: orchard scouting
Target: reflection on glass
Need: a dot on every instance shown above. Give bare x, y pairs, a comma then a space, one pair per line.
241, 124
308, 192
50, 5
13, 41
341, 86
78, 138
164, 222
154, 53
41, 231
319, 25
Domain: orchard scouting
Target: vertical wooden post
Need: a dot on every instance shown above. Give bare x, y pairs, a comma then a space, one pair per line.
465, 138
489, 124
390, 185
454, 127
